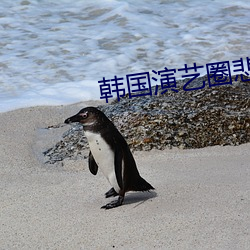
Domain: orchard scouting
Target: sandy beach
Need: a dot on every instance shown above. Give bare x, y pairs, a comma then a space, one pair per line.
201, 198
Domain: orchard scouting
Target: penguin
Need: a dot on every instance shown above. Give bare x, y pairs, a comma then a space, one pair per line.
110, 152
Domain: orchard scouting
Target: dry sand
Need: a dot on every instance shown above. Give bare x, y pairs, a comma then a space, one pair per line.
201, 201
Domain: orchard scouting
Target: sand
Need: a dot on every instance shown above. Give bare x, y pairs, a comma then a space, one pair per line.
201, 200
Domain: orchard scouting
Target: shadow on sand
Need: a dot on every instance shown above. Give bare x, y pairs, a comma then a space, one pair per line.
138, 198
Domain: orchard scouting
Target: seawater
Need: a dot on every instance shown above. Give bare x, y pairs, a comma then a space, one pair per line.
55, 52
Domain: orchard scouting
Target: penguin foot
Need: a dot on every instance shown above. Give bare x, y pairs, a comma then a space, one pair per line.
111, 193
113, 204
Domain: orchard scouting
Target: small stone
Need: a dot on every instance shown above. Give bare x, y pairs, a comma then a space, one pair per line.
181, 133
147, 140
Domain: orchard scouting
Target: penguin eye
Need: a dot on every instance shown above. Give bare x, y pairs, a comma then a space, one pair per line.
84, 115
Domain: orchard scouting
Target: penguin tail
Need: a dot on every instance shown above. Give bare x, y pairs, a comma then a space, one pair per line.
141, 185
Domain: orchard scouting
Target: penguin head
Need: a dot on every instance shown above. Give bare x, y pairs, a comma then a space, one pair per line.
88, 117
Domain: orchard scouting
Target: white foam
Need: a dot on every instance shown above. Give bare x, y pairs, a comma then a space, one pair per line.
55, 52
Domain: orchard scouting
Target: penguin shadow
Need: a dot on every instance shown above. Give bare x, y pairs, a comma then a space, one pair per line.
138, 198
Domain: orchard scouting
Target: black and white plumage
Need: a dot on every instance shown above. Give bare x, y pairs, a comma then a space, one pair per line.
110, 152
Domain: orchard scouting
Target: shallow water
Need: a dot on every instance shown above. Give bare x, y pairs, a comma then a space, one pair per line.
56, 52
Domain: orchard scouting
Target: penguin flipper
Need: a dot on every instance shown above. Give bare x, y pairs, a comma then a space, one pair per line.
118, 166
93, 167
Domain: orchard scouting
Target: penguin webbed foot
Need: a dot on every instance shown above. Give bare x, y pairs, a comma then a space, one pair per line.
115, 203
111, 193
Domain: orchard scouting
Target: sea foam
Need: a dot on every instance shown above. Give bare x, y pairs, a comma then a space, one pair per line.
56, 52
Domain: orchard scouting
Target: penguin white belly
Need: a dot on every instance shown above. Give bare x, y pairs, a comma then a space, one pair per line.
104, 157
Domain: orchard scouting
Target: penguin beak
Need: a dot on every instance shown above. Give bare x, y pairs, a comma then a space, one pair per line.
74, 118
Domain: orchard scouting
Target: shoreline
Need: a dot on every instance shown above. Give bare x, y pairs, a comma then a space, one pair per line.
201, 198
